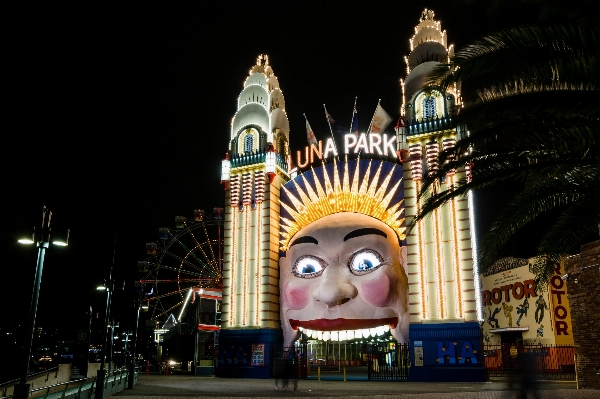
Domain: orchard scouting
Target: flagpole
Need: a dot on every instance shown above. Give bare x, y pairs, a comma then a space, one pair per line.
373, 117
331, 131
352, 121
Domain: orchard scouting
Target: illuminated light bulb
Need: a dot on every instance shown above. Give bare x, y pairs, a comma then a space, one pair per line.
386, 328
320, 335
300, 328
343, 336
350, 334
335, 336
373, 332
365, 332
326, 336
380, 330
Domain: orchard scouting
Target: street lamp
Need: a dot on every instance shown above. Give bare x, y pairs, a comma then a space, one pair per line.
109, 287
143, 306
101, 376
42, 241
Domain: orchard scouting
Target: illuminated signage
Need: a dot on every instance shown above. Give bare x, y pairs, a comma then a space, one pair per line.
374, 143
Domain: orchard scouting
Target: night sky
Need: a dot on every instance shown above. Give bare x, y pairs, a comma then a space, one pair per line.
116, 115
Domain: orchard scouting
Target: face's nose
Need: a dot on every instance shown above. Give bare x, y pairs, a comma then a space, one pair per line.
334, 287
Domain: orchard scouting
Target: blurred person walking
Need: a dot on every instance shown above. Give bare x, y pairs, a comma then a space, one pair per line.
526, 378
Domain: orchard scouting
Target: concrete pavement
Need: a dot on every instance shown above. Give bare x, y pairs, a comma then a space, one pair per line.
184, 386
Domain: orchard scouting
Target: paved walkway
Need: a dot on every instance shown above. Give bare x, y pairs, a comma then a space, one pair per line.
183, 386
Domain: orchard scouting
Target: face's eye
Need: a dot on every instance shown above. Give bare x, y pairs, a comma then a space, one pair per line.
365, 261
308, 266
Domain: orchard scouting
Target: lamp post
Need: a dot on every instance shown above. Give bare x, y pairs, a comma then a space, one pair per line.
109, 287
131, 364
42, 241
101, 376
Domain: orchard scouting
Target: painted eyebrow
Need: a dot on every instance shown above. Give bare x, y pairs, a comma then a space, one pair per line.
305, 240
363, 232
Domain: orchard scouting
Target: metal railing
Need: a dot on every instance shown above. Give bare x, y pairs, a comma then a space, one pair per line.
556, 362
256, 157
426, 125
386, 364
4, 386
118, 376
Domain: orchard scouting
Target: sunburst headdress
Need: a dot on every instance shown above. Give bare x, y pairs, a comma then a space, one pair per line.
311, 195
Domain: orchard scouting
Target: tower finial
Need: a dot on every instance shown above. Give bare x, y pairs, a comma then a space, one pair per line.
427, 14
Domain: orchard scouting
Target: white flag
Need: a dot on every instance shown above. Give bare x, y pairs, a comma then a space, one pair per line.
381, 120
310, 136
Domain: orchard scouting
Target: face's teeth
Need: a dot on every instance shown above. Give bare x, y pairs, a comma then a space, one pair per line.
346, 335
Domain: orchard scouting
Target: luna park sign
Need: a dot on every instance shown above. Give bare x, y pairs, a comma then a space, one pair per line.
373, 143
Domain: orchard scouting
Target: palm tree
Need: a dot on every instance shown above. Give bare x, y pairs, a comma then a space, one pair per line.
535, 121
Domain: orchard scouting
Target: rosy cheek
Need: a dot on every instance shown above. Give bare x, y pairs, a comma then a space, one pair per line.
297, 296
376, 291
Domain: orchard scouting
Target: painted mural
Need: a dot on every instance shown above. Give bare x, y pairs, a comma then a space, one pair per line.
512, 303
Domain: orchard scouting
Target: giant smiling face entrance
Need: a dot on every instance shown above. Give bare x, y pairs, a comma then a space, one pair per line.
343, 275
342, 279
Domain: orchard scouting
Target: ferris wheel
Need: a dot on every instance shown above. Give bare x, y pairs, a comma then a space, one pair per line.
186, 257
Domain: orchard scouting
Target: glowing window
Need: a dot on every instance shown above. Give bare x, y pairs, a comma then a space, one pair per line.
429, 107
249, 143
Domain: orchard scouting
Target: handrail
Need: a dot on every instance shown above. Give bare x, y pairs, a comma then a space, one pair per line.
30, 375
48, 387
115, 373
57, 385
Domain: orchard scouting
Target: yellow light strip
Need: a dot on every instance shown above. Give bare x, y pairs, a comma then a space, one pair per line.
458, 282
438, 265
245, 267
249, 168
257, 272
423, 276
232, 294
331, 198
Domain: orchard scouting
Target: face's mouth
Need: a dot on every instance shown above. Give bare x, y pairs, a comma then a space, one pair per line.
344, 329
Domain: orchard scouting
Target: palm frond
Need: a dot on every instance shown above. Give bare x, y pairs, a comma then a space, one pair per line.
542, 56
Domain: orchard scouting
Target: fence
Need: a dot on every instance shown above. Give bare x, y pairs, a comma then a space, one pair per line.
387, 363
551, 361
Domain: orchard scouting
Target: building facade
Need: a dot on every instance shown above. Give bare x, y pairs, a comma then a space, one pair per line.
288, 270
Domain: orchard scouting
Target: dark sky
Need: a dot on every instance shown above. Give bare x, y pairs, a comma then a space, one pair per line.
118, 114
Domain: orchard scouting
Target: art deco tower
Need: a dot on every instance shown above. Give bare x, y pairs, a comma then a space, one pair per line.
442, 277
252, 174
250, 270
